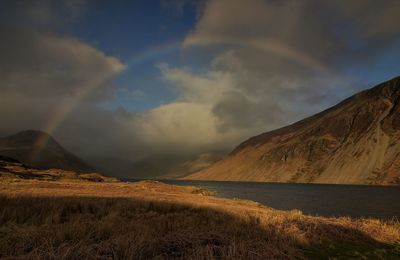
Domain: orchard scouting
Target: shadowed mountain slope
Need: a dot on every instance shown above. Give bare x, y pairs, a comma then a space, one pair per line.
168, 166
355, 142
40, 150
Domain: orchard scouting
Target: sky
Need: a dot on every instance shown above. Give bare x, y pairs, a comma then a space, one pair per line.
123, 80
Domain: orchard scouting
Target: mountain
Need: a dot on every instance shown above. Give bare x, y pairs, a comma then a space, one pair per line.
155, 167
171, 166
200, 162
39, 150
355, 142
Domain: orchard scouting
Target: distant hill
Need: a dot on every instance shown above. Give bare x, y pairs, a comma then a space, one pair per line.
355, 142
200, 162
40, 150
11, 169
168, 166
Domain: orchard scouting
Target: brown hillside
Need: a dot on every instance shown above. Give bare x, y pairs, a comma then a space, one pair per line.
355, 142
13, 170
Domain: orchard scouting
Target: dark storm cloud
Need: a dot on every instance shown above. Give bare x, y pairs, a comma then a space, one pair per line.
45, 76
325, 30
43, 64
235, 111
289, 58
53, 82
374, 20
43, 15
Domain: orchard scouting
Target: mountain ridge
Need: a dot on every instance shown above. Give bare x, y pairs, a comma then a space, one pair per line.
40, 150
315, 116
355, 141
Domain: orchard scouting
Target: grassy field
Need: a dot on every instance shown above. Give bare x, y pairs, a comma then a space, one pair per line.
150, 220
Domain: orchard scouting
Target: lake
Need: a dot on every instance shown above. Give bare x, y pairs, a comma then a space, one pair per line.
313, 199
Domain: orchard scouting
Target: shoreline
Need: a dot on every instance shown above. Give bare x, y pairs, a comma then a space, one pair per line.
263, 182
174, 222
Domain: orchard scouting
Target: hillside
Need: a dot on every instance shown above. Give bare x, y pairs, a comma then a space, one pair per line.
199, 162
355, 142
40, 150
14, 170
166, 166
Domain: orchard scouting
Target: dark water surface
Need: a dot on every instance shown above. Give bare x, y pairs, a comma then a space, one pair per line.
313, 199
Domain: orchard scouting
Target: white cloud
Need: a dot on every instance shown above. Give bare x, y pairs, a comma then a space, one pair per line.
198, 88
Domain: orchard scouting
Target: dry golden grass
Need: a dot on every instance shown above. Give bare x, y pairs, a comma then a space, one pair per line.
151, 220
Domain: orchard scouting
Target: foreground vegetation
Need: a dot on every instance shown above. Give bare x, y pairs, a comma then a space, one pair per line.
150, 220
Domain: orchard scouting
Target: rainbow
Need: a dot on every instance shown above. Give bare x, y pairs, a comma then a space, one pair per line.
138, 59
65, 108
161, 50
266, 45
